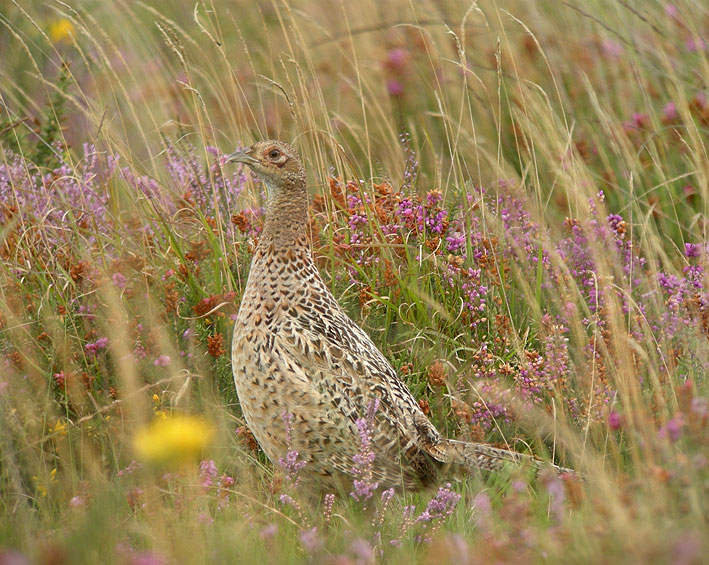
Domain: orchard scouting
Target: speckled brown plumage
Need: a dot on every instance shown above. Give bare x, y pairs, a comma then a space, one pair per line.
296, 352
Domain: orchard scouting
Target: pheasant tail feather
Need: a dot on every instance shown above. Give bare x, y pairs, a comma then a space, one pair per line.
472, 456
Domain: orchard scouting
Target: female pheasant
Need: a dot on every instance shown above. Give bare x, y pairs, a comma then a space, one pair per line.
305, 373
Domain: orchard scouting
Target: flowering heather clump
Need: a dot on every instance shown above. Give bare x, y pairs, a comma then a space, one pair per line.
438, 509
547, 372
93, 348
162, 361
206, 188
66, 194
686, 298
209, 479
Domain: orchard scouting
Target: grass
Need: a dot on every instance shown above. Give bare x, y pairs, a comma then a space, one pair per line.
510, 197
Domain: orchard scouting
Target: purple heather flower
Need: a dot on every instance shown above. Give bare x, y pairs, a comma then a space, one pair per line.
268, 531
397, 58
672, 430
119, 280
440, 506
692, 249
363, 486
132, 467
205, 518
481, 503
669, 112
225, 483
355, 220
162, 361
310, 539
328, 501
557, 494
455, 242
519, 486
394, 88
611, 49
93, 348
86, 310
139, 350
363, 489
207, 473
640, 120
291, 463
671, 11
695, 44
699, 406
615, 420
363, 551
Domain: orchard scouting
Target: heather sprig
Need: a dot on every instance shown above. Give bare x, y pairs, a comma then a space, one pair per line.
440, 507
292, 464
364, 484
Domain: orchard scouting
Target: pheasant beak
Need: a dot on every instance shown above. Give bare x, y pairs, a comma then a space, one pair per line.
242, 157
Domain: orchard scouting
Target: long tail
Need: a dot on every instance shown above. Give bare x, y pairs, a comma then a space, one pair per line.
480, 456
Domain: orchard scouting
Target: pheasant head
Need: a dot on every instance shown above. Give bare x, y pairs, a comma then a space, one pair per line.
278, 165
275, 162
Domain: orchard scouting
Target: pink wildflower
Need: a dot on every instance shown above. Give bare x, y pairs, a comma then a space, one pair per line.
119, 280
162, 361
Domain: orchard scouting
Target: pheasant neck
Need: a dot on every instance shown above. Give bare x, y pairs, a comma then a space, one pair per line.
286, 216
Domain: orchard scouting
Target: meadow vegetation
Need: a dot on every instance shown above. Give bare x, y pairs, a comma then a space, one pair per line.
509, 196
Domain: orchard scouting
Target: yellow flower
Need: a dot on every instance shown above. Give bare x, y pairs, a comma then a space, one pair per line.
62, 30
58, 428
39, 487
173, 439
156, 399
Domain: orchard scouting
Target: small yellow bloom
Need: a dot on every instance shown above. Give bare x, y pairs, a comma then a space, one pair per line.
62, 30
58, 428
173, 439
39, 487
156, 399
53, 475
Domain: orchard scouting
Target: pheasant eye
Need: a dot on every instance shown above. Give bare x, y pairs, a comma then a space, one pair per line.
274, 154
